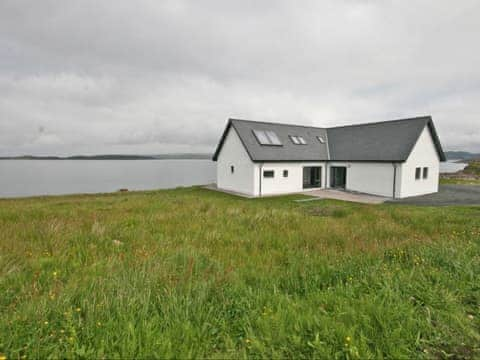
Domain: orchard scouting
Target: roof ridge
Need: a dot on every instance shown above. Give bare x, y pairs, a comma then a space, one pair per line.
277, 123
425, 117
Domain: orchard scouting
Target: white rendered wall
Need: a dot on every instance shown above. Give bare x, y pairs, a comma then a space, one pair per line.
424, 154
284, 185
374, 178
234, 154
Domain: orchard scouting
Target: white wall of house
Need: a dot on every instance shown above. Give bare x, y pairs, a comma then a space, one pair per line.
424, 154
290, 184
233, 153
367, 177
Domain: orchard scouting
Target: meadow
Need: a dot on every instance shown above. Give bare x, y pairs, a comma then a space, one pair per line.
191, 273
468, 176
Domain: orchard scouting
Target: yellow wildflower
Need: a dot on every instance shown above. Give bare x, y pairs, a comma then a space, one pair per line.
46, 322
3, 357
348, 339
78, 309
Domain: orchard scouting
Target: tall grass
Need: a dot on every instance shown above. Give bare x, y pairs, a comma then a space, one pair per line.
193, 273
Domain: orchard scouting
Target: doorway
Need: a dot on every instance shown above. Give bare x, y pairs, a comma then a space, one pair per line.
338, 177
312, 177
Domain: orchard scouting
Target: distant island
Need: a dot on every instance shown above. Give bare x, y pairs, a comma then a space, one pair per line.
461, 155
175, 156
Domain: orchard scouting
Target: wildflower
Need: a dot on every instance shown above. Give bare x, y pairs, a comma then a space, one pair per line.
348, 339
247, 341
46, 322
3, 357
62, 331
78, 309
70, 339
470, 316
99, 323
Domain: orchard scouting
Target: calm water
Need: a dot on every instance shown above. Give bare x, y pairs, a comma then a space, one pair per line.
54, 177
451, 166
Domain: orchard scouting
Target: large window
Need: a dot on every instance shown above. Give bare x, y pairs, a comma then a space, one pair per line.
268, 173
232, 169
425, 172
285, 173
267, 137
418, 173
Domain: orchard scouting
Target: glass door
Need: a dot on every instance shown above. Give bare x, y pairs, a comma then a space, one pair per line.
312, 177
338, 177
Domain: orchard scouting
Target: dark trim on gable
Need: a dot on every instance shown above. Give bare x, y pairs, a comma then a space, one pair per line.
223, 138
436, 140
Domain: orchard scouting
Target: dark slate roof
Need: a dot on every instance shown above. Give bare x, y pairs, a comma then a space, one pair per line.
313, 151
383, 141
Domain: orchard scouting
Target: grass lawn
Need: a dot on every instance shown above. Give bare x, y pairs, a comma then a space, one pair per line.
459, 181
193, 273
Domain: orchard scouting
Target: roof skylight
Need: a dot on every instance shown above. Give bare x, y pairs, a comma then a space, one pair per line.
267, 137
298, 140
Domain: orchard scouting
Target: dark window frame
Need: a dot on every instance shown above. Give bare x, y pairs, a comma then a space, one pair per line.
232, 169
418, 173
285, 173
269, 174
425, 173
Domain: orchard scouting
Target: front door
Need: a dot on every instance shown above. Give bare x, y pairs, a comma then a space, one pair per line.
312, 177
338, 177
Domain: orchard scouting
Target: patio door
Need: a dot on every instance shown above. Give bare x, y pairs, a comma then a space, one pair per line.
338, 177
312, 177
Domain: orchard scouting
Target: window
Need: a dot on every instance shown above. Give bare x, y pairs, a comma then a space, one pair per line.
425, 172
285, 173
268, 174
298, 140
418, 173
295, 140
267, 137
321, 139
274, 140
232, 169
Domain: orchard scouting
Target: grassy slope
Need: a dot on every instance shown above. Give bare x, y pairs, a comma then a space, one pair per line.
198, 274
472, 171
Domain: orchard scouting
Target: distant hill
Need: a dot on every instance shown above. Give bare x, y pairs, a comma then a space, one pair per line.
180, 156
461, 155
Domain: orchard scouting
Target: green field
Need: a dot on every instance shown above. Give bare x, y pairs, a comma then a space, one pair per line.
469, 176
192, 273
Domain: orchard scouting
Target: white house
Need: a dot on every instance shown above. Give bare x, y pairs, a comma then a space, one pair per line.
395, 159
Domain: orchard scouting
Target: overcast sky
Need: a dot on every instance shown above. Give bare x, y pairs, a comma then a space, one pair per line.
155, 76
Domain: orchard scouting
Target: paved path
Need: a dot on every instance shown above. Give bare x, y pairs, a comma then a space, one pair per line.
346, 196
447, 195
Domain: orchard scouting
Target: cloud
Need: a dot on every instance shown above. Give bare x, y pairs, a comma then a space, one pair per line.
151, 77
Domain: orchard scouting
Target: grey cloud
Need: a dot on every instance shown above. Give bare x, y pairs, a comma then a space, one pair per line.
154, 76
